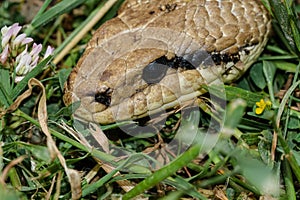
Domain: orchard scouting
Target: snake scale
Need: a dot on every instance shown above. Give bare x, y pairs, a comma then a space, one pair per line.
156, 54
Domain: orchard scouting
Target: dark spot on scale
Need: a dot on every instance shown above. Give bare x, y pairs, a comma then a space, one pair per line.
226, 58
236, 58
180, 62
104, 97
168, 7
151, 12
245, 48
216, 58
175, 62
220, 58
106, 75
247, 52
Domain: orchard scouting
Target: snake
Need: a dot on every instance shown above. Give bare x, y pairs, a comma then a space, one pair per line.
156, 54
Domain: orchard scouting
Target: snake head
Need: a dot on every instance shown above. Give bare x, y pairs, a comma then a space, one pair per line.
152, 57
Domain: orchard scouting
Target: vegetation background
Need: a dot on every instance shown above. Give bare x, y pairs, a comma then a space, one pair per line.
46, 154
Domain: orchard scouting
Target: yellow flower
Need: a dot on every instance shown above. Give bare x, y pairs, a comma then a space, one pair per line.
262, 105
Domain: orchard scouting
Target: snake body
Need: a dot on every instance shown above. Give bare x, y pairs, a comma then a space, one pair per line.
156, 54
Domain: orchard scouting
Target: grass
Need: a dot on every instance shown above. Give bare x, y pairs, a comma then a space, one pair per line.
46, 154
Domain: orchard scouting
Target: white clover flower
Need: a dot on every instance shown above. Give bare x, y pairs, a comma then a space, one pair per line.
49, 51
21, 40
5, 39
24, 65
36, 49
9, 33
34, 62
23, 61
13, 44
15, 29
4, 30
4, 55
27, 61
17, 41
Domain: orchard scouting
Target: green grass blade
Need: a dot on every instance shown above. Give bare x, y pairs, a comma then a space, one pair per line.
42, 10
86, 23
77, 30
52, 13
288, 179
269, 70
173, 195
184, 186
286, 16
5, 99
280, 12
234, 92
5, 88
164, 172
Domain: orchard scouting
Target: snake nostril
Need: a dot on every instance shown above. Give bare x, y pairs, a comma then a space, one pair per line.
104, 97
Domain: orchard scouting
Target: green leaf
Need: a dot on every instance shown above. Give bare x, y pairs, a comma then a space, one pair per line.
297, 156
257, 173
63, 75
269, 70
66, 111
264, 147
285, 66
251, 138
294, 121
39, 152
287, 18
296, 33
183, 186
234, 112
256, 75
280, 12
9, 194
234, 92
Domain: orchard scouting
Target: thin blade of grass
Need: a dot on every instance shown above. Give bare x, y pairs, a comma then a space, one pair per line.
52, 13
284, 13
164, 172
5, 98
291, 158
185, 187
88, 189
269, 70
234, 92
81, 30
41, 10
288, 179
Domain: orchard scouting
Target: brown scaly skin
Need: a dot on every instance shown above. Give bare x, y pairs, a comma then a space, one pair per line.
108, 79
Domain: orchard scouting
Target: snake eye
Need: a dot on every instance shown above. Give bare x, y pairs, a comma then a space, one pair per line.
154, 72
104, 97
